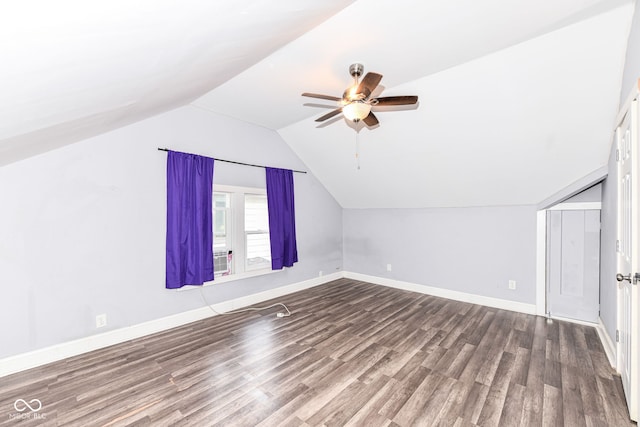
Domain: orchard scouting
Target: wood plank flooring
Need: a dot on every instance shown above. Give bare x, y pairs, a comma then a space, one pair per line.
351, 354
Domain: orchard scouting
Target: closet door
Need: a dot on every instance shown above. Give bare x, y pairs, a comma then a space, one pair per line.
573, 252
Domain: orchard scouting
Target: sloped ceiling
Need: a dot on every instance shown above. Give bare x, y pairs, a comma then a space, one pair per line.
70, 69
517, 99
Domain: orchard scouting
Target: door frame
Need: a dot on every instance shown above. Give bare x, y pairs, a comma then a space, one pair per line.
580, 185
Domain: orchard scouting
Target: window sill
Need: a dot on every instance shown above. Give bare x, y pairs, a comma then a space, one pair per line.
231, 278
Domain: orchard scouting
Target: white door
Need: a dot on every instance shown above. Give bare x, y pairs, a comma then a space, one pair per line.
573, 260
627, 253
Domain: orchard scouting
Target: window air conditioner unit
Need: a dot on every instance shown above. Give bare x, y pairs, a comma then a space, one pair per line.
222, 263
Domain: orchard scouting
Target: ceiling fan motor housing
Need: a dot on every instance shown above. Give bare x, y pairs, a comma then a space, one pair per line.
356, 70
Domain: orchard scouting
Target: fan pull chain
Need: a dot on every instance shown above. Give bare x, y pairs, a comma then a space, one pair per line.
358, 149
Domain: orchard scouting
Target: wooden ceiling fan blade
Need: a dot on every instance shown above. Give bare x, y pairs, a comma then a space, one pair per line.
371, 120
369, 83
317, 95
329, 115
395, 100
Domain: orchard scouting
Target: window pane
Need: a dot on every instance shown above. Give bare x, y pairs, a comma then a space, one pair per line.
256, 226
222, 244
256, 214
221, 208
220, 223
221, 200
258, 251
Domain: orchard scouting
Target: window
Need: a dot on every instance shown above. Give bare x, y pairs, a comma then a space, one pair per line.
241, 243
222, 234
256, 229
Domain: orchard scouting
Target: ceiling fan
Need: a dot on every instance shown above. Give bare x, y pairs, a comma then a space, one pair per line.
356, 101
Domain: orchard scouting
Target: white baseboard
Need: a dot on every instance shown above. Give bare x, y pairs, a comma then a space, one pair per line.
57, 352
607, 343
274, 293
32, 359
445, 293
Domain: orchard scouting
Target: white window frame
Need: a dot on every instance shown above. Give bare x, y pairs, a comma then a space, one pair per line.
247, 233
238, 245
228, 228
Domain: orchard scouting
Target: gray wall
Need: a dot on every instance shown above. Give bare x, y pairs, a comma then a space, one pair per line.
473, 250
82, 227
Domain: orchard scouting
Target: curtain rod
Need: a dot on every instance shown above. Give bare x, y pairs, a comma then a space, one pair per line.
231, 161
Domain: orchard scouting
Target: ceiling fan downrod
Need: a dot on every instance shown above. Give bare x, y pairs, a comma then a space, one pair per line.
350, 94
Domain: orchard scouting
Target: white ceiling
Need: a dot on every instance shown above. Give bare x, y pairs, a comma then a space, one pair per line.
517, 98
70, 69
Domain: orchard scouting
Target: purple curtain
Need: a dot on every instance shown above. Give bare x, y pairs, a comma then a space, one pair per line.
189, 220
282, 221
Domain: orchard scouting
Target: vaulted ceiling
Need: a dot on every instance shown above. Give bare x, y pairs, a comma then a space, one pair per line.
517, 99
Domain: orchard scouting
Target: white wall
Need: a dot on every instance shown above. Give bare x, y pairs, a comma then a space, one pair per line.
608, 267
591, 194
472, 250
631, 72
82, 232
82, 228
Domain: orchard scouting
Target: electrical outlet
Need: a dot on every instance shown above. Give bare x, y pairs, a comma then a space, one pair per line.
320, 273
101, 320
388, 267
512, 284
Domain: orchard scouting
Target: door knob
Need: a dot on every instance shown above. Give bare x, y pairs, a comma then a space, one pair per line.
635, 280
620, 277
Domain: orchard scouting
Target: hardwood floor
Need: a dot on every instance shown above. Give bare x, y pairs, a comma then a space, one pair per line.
352, 353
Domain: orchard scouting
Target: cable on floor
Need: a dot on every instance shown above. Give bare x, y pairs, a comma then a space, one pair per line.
279, 314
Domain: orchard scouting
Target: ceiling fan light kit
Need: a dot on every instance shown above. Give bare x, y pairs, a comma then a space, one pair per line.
356, 101
356, 111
